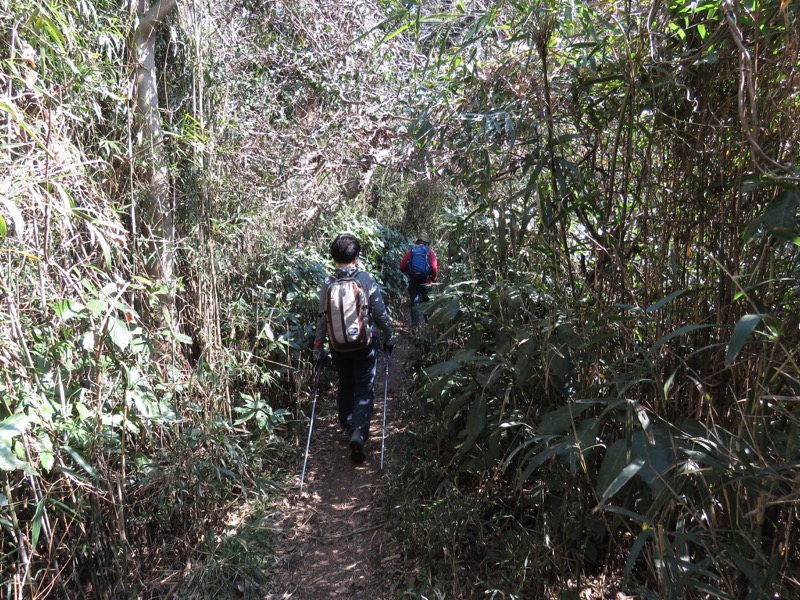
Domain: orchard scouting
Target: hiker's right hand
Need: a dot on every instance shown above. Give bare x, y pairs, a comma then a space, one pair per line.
319, 356
389, 345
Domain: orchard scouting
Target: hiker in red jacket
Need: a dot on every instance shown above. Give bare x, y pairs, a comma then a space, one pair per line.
420, 265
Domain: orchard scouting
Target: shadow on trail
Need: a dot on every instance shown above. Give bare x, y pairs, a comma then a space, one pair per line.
332, 544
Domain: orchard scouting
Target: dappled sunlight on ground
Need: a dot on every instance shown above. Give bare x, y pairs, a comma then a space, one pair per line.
332, 544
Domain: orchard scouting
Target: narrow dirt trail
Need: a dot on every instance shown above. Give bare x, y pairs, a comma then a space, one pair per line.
332, 541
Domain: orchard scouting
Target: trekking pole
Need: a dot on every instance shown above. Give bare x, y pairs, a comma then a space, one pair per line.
317, 380
385, 390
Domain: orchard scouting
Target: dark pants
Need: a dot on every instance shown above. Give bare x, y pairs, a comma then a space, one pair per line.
356, 394
417, 293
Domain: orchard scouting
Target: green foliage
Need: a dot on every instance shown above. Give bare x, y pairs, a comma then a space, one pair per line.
382, 248
255, 409
612, 338
269, 325
542, 404
104, 428
427, 200
614, 195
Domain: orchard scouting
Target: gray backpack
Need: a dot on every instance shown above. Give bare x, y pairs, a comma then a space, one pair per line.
347, 311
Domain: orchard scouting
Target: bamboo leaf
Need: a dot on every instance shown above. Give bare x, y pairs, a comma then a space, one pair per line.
99, 237
9, 461
13, 426
613, 463
644, 420
46, 452
36, 525
669, 383
441, 369
15, 115
44, 23
656, 452
476, 424
81, 462
619, 482
741, 334
119, 333
16, 216
68, 309
778, 218
744, 565
666, 300
636, 549
780, 213
677, 333
455, 405
537, 461
559, 420
786, 236
645, 523
751, 230
445, 311
526, 353
586, 434
559, 366
389, 36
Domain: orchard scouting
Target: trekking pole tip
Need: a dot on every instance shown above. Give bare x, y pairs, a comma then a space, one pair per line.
302, 494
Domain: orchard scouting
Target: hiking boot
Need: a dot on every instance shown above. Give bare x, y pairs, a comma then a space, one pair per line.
357, 447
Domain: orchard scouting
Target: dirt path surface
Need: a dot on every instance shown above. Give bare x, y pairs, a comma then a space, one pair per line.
332, 541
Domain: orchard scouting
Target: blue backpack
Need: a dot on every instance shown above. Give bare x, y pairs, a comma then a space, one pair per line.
419, 264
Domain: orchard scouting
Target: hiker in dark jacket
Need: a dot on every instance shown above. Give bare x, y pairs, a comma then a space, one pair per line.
421, 267
356, 369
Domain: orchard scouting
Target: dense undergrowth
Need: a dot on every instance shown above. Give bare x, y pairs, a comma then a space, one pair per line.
560, 459
608, 386
142, 421
614, 365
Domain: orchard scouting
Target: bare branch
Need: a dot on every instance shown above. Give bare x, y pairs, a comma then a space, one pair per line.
747, 95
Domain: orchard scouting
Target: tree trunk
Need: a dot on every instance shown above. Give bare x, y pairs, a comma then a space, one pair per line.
156, 215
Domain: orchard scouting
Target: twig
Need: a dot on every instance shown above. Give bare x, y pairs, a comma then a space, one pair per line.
336, 536
747, 94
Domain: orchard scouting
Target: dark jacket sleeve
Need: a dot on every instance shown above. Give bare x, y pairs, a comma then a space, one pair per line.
321, 331
380, 316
